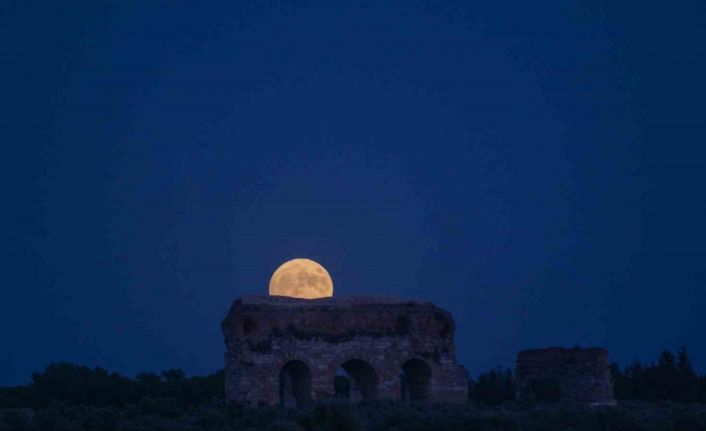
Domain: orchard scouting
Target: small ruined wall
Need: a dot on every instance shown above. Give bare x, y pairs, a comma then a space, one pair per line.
576, 375
287, 350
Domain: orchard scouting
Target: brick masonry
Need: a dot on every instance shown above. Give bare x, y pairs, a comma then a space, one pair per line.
282, 350
574, 375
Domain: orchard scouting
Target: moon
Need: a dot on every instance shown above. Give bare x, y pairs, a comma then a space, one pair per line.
301, 278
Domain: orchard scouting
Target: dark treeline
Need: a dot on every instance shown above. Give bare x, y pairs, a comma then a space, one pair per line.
671, 378
78, 385
493, 387
68, 397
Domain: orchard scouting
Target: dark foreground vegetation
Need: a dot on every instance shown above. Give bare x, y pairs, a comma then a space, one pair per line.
666, 396
163, 414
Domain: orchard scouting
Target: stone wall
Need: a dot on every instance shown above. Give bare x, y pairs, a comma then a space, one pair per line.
287, 350
575, 375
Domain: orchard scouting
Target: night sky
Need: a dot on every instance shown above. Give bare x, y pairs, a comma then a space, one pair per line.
537, 169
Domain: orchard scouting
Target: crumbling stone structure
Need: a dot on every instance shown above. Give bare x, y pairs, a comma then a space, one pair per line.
291, 351
558, 374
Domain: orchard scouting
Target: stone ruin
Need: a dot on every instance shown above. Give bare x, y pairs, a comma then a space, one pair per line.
288, 351
558, 374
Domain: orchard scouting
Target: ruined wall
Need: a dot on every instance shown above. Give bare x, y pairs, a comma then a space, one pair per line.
576, 375
287, 350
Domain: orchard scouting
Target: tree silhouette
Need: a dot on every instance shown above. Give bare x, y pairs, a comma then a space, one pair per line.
672, 379
493, 387
79, 385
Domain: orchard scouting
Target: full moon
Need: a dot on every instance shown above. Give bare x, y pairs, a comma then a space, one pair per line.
301, 278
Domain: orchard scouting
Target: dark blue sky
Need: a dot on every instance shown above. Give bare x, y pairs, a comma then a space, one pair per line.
538, 169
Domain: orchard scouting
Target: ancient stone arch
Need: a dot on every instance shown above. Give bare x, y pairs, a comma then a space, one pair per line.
295, 384
363, 379
286, 351
416, 381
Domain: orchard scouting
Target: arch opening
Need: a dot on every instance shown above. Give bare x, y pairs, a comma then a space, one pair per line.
295, 384
415, 381
342, 384
356, 380
249, 326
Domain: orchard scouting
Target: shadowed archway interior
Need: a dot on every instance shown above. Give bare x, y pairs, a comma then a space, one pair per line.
295, 384
415, 381
356, 380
